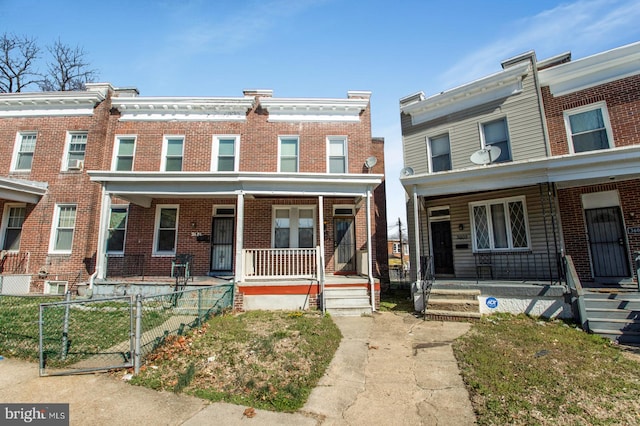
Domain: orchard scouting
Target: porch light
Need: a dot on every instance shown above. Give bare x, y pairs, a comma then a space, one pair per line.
193, 225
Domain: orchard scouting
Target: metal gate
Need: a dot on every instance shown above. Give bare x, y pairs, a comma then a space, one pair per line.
607, 243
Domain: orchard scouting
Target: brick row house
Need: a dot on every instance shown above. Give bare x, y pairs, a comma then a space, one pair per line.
507, 173
283, 196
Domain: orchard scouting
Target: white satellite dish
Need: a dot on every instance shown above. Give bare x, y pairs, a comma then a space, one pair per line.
485, 155
370, 162
407, 171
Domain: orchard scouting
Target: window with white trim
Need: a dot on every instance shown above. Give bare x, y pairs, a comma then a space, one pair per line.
56, 287
293, 227
396, 248
124, 152
76, 149
588, 128
64, 223
24, 149
439, 153
172, 153
225, 153
166, 230
288, 153
117, 229
337, 154
12, 221
496, 133
500, 224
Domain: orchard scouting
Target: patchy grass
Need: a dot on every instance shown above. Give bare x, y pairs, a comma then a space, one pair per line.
523, 371
396, 299
268, 360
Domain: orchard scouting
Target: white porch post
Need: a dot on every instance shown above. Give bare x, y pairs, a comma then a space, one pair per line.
321, 260
370, 252
239, 273
101, 250
416, 231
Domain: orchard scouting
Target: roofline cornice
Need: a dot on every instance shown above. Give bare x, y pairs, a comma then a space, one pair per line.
315, 109
183, 108
49, 103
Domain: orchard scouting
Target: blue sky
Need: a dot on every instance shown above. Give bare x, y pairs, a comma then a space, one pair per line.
320, 48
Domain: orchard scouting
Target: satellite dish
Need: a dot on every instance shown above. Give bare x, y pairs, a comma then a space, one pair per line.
407, 171
485, 155
370, 162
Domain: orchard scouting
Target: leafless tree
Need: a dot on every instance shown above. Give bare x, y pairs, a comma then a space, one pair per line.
17, 62
68, 69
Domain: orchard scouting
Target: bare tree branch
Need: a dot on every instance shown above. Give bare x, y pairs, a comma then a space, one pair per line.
67, 70
17, 57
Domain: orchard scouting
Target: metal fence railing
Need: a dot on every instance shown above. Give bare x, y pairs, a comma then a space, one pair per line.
129, 265
82, 335
518, 266
14, 263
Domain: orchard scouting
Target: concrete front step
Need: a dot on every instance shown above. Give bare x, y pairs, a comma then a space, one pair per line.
617, 314
438, 293
345, 291
453, 305
613, 303
447, 315
353, 311
623, 337
346, 302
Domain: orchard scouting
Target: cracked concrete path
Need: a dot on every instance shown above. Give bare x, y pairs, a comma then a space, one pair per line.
407, 374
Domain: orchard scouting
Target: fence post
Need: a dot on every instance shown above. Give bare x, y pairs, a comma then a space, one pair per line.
199, 306
65, 327
137, 359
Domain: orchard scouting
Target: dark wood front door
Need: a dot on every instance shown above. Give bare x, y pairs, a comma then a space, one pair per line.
442, 247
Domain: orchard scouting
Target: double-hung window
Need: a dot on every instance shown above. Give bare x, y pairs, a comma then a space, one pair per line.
500, 224
173, 148
288, 153
293, 227
125, 149
117, 229
76, 148
166, 230
495, 133
13, 219
25, 147
64, 223
588, 128
439, 153
337, 154
225, 153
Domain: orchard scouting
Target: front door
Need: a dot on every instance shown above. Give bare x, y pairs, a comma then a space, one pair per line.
442, 247
222, 244
607, 243
344, 245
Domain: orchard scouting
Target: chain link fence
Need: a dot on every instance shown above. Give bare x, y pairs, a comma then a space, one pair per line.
82, 335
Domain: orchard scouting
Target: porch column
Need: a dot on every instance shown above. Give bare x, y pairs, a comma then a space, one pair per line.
321, 221
239, 272
369, 252
101, 249
416, 232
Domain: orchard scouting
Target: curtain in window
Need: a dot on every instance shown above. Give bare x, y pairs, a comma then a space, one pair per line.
14, 228
495, 134
117, 227
167, 230
282, 229
305, 228
588, 131
440, 153
499, 226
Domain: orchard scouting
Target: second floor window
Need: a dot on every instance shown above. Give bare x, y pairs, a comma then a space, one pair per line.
225, 157
288, 154
14, 216
588, 128
124, 153
76, 150
173, 149
440, 153
337, 155
495, 133
26, 145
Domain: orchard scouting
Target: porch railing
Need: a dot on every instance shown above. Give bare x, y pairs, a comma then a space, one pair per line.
518, 266
14, 263
281, 263
129, 265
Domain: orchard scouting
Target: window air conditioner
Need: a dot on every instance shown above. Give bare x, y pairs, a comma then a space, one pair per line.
76, 164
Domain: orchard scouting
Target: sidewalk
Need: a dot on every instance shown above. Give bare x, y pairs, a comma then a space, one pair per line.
390, 369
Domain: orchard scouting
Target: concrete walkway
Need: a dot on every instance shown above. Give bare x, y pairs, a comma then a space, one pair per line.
390, 369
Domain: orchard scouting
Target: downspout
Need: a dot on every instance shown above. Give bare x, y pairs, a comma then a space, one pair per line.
102, 244
369, 253
321, 254
416, 232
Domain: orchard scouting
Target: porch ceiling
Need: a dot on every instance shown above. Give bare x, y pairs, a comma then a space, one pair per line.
24, 191
141, 187
566, 170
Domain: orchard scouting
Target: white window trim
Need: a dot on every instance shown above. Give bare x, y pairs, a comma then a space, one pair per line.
504, 201
5, 222
602, 105
48, 285
483, 143
126, 225
345, 145
65, 160
293, 236
215, 149
429, 138
351, 207
165, 144
16, 151
54, 229
116, 148
156, 229
280, 138
396, 248
224, 206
